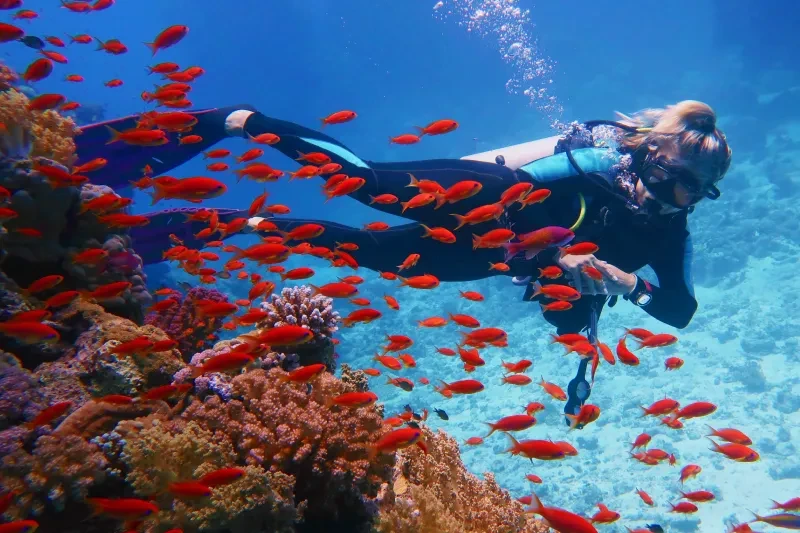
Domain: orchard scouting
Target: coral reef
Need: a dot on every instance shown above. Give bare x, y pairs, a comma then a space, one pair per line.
220, 383
298, 306
104, 372
58, 470
8, 78
48, 226
52, 135
183, 323
178, 451
287, 428
433, 491
20, 399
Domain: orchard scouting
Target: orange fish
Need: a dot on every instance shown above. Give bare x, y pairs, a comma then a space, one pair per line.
389, 362
515, 193
472, 296
335, 290
551, 272
424, 185
168, 37
645, 497
658, 340
473, 441
480, 214
353, 399
695, 410
30, 332
625, 356
464, 386
406, 138
553, 390
544, 450
123, 508
690, 471
340, 117
222, 476
395, 440
304, 373
511, 423
587, 414
730, 435
438, 127
459, 191
223, 363
492, 239
426, 281
138, 137
737, 452
48, 414
516, 379
536, 197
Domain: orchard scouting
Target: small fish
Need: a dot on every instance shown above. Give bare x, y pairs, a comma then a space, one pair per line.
32, 42
441, 413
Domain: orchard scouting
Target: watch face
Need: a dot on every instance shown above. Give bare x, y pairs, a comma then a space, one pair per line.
643, 299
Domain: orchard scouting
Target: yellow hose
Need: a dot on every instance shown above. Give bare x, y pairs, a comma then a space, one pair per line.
582, 214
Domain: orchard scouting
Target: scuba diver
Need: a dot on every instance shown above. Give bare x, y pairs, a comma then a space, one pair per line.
626, 186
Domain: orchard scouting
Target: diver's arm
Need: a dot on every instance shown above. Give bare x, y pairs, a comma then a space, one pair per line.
672, 301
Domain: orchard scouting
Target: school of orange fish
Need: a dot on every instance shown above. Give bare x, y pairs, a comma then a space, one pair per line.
272, 250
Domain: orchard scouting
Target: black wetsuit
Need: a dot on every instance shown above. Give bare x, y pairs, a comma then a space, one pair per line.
624, 241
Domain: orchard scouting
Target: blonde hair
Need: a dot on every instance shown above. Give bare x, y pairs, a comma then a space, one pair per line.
689, 128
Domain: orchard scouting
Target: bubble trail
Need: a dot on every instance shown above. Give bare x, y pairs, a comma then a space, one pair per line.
506, 22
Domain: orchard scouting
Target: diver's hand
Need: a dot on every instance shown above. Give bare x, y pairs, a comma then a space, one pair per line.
614, 281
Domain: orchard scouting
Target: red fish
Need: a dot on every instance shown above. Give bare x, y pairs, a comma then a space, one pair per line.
534, 242
604, 515
38, 70
464, 386
695, 410
511, 423
625, 356
588, 413
339, 117
684, 508
223, 363
123, 508
658, 340
561, 520
305, 373
730, 435
698, 495
690, 471
19, 526
737, 452
354, 399
48, 414
438, 127
189, 489
30, 332
645, 497
661, 407
168, 37
223, 476
395, 440
553, 390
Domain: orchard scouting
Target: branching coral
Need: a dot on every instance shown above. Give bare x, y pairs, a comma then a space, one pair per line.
178, 451
52, 134
60, 469
298, 306
182, 322
285, 428
434, 492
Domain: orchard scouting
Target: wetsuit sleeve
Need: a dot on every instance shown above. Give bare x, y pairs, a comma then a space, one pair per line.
673, 300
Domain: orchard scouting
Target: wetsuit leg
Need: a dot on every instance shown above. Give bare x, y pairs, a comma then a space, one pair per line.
391, 178
125, 161
385, 250
152, 240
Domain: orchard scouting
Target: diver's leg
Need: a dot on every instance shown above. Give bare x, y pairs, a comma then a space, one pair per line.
386, 250
152, 240
125, 161
390, 178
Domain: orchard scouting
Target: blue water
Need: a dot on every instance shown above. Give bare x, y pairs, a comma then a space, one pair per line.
401, 64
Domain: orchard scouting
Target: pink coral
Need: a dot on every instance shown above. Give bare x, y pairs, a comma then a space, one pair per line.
182, 323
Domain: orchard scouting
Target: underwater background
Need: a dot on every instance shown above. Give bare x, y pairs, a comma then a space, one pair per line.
507, 75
